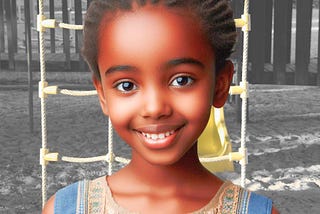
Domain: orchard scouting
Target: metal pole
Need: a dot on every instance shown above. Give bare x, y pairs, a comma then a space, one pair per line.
10, 34
2, 48
29, 59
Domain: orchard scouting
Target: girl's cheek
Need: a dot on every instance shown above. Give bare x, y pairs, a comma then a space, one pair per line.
121, 109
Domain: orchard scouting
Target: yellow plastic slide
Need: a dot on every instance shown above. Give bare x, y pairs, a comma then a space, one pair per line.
215, 142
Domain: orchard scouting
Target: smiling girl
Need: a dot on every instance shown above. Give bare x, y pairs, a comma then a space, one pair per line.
159, 67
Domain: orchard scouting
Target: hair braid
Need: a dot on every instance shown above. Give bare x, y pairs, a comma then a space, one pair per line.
217, 18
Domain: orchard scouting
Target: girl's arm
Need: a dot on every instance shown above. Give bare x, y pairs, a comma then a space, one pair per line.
274, 211
49, 206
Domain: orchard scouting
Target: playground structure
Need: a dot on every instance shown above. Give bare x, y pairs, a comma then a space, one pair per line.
293, 62
214, 144
288, 55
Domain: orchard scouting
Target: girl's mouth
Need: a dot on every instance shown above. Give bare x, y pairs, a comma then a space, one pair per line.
160, 140
158, 136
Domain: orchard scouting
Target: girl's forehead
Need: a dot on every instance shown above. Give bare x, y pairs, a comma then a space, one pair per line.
156, 18
152, 29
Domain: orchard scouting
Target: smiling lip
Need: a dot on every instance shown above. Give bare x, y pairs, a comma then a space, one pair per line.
158, 136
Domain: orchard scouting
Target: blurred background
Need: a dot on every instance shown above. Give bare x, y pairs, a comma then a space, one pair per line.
283, 135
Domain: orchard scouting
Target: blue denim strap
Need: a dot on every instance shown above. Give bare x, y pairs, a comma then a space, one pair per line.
259, 204
66, 200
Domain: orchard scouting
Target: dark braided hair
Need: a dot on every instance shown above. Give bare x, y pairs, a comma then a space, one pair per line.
215, 16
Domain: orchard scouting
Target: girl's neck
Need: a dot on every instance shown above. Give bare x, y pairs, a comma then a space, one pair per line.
186, 170
166, 186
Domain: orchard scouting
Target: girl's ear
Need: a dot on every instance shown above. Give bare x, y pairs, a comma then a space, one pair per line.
102, 99
223, 81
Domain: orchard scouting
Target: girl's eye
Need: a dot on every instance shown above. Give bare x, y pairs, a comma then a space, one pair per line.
126, 86
182, 81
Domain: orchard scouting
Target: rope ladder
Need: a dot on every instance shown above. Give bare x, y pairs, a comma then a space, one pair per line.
44, 90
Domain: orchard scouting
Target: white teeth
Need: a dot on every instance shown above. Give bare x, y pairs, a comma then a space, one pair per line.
158, 136
154, 136
161, 136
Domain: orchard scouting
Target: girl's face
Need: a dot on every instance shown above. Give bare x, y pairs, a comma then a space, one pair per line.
157, 81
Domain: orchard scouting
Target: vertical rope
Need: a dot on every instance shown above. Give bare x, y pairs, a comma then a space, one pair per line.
110, 146
244, 98
110, 129
43, 106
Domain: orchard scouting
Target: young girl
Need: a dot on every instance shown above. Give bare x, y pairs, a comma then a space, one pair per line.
158, 67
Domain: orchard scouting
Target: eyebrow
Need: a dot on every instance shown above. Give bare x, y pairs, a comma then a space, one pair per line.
178, 61
120, 68
168, 65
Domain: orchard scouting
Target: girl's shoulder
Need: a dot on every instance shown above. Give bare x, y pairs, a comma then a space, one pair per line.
95, 197
67, 199
232, 198
81, 197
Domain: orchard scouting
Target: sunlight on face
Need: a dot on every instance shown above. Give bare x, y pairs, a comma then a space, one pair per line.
157, 81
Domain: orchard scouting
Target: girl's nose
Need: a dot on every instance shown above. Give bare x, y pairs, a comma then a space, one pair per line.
156, 105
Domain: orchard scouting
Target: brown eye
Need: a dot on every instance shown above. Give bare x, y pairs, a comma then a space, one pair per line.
182, 81
126, 86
